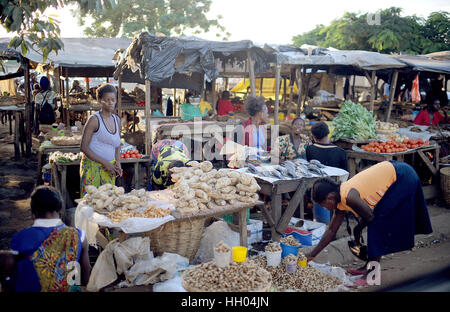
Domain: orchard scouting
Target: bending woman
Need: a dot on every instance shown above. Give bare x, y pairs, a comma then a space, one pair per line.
101, 143
387, 197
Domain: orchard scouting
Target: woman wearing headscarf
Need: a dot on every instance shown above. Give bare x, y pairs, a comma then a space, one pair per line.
45, 103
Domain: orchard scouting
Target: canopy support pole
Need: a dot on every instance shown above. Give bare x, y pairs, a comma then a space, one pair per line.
213, 96
277, 93
284, 90
175, 113
261, 86
66, 109
119, 101
291, 97
148, 111
391, 95
372, 89
251, 71
300, 85
307, 87
28, 116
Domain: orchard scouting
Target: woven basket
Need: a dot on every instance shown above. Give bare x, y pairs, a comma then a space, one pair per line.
445, 184
180, 237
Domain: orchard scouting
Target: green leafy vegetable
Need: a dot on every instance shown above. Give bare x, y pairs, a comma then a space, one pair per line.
354, 122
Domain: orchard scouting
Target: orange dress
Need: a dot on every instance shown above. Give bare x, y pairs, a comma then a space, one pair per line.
371, 184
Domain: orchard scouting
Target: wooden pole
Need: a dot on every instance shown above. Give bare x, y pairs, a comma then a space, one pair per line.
277, 93
291, 97
66, 109
119, 100
300, 85
284, 90
261, 86
148, 112
372, 93
28, 112
213, 96
307, 88
392, 94
175, 113
251, 71
353, 89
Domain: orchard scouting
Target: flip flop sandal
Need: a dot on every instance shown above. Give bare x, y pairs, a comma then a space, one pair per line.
355, 272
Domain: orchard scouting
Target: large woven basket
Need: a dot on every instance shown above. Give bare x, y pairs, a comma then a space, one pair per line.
180, 237
445, 185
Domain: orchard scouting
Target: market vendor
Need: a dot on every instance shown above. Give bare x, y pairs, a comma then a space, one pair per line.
323, 151
224, 106
100, 143
387, 197
167, 154
292, 146
430, 115
46, 249
76, 88
253, 132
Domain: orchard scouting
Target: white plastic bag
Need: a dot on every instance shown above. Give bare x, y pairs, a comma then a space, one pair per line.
104, 271
171, 285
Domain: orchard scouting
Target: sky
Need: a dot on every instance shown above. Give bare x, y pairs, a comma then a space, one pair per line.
277, 21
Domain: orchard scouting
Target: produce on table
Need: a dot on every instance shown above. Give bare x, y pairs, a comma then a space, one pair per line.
112, 201
386, 126
307, 279
66, 140
243, 276
391, 137
131, 154
64, 157
199, 187
394, 146
354, 122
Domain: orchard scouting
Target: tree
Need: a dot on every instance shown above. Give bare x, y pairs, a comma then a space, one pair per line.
35, 30
165, 16
394, 33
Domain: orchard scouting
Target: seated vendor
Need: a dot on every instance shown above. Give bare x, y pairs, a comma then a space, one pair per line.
292, 146
224, 107
323, 151
166, 156
430, 115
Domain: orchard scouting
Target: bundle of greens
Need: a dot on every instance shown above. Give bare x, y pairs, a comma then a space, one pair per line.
354, 122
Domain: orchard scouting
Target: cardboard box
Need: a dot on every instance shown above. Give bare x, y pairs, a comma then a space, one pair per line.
309, 234
255, 228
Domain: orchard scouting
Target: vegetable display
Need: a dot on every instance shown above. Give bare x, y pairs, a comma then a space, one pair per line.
354, 122
131, 154
64, 157
394, 146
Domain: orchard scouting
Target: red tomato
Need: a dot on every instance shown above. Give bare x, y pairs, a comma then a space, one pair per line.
139, 155
126, 156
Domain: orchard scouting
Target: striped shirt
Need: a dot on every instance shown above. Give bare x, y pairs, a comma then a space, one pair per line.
371, 184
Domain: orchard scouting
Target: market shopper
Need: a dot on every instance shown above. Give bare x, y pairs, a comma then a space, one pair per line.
45, 101
430, 115
224, 106
387, 197
46, 249
323, 151
292, 146
100, 143
167, 154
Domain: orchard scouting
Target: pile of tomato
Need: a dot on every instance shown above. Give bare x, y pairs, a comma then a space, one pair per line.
141, 103
131, 154
394, 146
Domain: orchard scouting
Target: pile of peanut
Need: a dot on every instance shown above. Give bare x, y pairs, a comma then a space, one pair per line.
273, 247
306, 279
290, 240
236, 277
119, 215
199, 187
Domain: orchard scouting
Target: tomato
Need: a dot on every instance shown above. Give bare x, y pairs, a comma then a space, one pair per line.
139, 155
126, 156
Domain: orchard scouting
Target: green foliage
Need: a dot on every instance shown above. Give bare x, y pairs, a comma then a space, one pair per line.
395, 33
354, 121
33, 29
169, 17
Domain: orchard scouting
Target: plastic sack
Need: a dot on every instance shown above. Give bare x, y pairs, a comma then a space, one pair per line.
212, 235
171, 285
104, 271
131, 250
339, 273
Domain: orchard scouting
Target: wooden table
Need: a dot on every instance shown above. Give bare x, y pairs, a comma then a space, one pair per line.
277, 220
59, 175
19, 127
430, 191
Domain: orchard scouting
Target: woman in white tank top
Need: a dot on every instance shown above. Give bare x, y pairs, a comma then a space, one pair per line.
100, 144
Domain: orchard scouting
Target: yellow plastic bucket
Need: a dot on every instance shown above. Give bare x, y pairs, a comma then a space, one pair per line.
239, 254
303, 263
281, 116
271, 121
